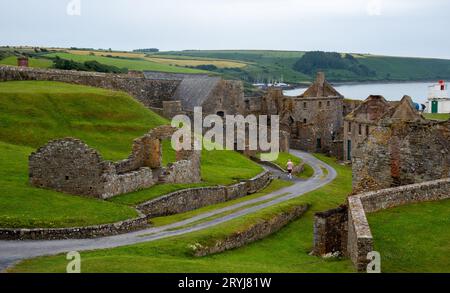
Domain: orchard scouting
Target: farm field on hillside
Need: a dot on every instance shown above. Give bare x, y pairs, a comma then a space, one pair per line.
33, 62
130, 64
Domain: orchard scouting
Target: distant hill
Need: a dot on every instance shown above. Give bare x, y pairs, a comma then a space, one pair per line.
266, 66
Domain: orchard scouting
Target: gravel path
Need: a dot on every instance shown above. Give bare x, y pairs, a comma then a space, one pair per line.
14, 251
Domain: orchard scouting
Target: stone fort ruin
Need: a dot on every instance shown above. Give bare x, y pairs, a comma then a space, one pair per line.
69, 165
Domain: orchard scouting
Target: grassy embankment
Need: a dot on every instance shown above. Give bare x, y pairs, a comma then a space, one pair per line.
32, 113
285, 251
441, 117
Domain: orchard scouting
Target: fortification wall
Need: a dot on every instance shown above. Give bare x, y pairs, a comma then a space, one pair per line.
148, 92
360, 239
194, 198
255, 232
76, 232
346, 229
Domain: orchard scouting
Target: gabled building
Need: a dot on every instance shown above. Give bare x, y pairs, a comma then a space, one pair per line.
357, 124
314, 118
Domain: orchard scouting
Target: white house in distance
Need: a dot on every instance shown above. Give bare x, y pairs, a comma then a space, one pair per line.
438, 100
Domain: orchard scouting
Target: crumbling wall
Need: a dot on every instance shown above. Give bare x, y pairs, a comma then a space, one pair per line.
402, 153
69, 165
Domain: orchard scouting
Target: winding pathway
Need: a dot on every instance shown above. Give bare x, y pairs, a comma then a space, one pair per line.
14, 251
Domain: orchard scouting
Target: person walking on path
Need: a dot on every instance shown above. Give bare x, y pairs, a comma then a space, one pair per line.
290, 167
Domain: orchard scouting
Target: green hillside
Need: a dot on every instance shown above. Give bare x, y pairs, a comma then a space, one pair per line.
277, 65
32, 113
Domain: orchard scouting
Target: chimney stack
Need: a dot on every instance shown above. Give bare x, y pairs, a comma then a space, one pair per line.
320, 79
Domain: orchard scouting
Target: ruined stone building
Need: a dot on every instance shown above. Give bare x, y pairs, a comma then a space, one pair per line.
358, 123
69, 165
397, 146
214, 94
313, 120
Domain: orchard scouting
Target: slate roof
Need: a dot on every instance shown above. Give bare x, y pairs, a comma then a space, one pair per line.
194, 89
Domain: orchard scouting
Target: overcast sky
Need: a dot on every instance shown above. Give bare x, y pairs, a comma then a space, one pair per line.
390, 27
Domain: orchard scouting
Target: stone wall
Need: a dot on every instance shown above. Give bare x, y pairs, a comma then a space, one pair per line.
360, 240
69, 165
227, 97
148, 92
254, 233
330, 231
194, 198
74, 233
402, 153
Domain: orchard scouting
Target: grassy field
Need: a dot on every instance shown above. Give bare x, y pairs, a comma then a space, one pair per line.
162, 59
32, 113
437, 116
413, 238
131, 64
33, 62
285, 251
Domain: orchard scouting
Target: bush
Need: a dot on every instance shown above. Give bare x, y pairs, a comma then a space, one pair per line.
64, 64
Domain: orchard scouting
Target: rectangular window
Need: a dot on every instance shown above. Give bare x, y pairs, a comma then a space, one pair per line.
360, 129
328, 104
305, 105
320, 104
349, 127
367, 130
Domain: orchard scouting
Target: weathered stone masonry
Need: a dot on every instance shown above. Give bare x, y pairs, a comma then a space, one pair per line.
356, 239
194, 198
69, 165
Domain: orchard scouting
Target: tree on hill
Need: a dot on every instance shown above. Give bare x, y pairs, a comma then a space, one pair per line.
311, 62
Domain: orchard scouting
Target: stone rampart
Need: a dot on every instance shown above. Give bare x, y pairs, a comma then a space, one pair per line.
148, 92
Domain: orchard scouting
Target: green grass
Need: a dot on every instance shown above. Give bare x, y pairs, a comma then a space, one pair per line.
284, 251
32, 62
131, 64
308, 172
22, 206
32, 113
442, 117
413, 238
